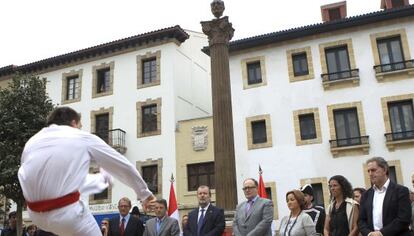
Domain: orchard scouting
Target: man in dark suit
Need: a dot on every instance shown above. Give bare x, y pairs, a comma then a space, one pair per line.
385, 207
125, 224
206, 220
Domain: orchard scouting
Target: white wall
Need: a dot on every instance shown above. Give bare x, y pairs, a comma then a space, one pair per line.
285, 163
192, 78
126, 95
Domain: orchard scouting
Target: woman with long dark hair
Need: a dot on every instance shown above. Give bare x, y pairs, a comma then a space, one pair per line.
342, 215
298, 223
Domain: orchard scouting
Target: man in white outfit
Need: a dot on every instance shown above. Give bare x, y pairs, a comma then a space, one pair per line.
54, 172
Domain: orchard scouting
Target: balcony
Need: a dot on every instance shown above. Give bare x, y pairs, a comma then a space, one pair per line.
115, 138
346, 77
355, 144
396, 69
399, 139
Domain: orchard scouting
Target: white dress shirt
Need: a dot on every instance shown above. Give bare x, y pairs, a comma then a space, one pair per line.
55, 162
377, 204
199, 211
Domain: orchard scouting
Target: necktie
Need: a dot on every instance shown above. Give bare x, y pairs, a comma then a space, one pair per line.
158, 226
200, 222
249, 206
122, 227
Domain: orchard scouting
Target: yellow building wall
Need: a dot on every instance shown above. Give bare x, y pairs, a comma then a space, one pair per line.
185, 154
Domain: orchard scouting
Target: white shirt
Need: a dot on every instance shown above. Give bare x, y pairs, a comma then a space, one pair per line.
377, 204
199, 211
126, 218
55, 162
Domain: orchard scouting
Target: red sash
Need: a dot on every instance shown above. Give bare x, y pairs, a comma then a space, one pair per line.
52, 204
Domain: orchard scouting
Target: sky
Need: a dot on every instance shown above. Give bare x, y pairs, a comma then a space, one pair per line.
33, 30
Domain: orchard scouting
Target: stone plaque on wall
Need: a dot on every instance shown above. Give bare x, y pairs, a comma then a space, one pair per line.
199, 137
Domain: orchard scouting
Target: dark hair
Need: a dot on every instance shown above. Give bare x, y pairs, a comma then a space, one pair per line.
135, 211
162, 201
360, 190
32, 226
381, 162
255, 181
205, 186
299, 196
63, 116
346, 187
12, 214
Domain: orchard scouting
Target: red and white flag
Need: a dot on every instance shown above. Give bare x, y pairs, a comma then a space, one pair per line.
172, 202
262, 189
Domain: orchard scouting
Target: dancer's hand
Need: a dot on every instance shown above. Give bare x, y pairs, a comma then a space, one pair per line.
148, 204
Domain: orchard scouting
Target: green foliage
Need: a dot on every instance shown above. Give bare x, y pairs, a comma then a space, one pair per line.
24, 106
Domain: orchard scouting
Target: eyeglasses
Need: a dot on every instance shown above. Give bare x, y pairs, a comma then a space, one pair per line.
248, 188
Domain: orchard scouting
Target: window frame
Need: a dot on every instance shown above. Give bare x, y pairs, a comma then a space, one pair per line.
256, 137
210, 174
296, 122
392, 63
95, 80
402, 120
244, 70
361, 149
338, 63
313, 126
291, 70
103, 135
152, 162
346, 112
139, 106
397, 74
390, 142
140, 59
102, 111
249, 132
148, 120
65, 86
253, 68
300, 57
352, 75
93, 169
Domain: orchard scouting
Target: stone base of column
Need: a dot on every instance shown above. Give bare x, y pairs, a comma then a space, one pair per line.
229, 217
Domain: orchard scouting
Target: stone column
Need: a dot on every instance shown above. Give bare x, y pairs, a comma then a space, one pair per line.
219, 32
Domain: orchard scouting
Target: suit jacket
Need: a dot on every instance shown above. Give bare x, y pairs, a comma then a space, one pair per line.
169, 227
133, 228
213, 224
258, 220
396, 212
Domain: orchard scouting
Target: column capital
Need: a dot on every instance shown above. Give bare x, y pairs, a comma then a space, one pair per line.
219, 31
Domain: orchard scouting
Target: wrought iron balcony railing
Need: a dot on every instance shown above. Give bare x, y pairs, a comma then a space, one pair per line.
334, 76
115, 138
396, 66
345, 142
396, 136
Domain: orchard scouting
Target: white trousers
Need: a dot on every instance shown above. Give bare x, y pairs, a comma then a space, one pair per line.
71, 220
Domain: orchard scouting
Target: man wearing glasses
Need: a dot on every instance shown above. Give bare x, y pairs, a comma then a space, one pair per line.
255, 215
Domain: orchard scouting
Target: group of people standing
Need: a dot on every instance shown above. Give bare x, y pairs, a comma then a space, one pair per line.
384, 209
54, 173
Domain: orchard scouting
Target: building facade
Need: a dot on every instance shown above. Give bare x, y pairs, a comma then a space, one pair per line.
131, 93
317, 101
